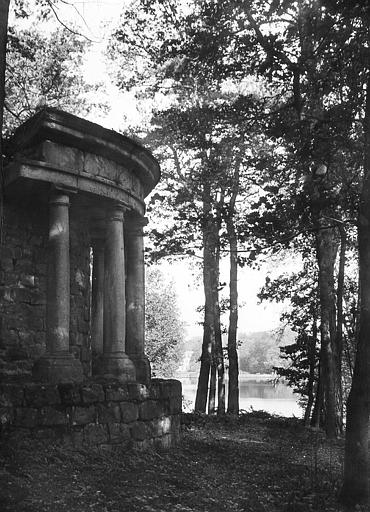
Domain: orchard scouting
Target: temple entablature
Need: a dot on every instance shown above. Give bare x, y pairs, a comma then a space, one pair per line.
60, 149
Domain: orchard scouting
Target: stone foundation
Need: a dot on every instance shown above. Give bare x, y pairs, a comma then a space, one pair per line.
93, 414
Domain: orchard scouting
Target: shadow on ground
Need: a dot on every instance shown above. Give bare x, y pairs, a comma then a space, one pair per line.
255, 463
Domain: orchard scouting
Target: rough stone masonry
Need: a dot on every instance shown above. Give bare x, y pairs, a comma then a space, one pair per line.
72, 309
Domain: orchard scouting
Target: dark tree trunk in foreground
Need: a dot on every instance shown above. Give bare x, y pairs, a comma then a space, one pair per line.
356, 460
4, 10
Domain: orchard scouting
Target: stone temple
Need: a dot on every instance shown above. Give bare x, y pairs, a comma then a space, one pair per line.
72, 311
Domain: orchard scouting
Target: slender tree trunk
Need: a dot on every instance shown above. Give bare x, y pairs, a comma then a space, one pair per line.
355, 487
208, 325
212, 386
233, 391
218, 334
326, 255
208, 337
317, 413
211, 328
311, 349
216, 338
219, 362
340, 323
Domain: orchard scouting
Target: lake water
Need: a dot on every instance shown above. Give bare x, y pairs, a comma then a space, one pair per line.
257, 393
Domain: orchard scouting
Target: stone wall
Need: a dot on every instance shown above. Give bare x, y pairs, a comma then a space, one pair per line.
22, 286
80, 261
95, 413
23, 271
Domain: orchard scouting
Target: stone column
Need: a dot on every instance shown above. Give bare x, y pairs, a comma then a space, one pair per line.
97, 302
135, 298
115, 361
58, 364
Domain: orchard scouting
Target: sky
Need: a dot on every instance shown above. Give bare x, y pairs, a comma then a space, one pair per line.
253, 316
95, 19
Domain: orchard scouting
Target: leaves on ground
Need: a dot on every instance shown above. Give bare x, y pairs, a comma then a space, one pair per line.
255, 463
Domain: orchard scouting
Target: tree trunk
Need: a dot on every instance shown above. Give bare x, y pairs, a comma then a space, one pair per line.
326, 255
356, 459
340, 322
233, 391
4, 13
211, 309
218, 334
208, 324
212, 386
317, 413
219, 363
208, 337
311, 349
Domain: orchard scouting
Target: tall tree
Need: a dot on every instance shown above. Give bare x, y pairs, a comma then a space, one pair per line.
232, 235
356, 464
4, 11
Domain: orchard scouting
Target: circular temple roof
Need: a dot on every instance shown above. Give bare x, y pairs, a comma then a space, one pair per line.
69, 130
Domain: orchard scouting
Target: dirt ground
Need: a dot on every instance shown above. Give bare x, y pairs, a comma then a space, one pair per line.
255, 463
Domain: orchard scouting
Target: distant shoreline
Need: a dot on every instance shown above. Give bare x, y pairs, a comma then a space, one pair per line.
243, 376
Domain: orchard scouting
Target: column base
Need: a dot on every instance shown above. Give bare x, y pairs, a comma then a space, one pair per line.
142, 366
56, 369
117, 366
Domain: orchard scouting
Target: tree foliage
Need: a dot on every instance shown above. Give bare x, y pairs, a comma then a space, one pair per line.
164, 328
45, 69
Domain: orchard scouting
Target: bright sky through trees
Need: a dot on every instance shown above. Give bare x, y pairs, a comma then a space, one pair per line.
95, 19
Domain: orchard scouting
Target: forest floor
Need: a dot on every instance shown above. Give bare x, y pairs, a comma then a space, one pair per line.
255, 463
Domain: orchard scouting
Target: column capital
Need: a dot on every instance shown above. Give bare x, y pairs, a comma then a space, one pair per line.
60, 198
116, 211
135, 224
